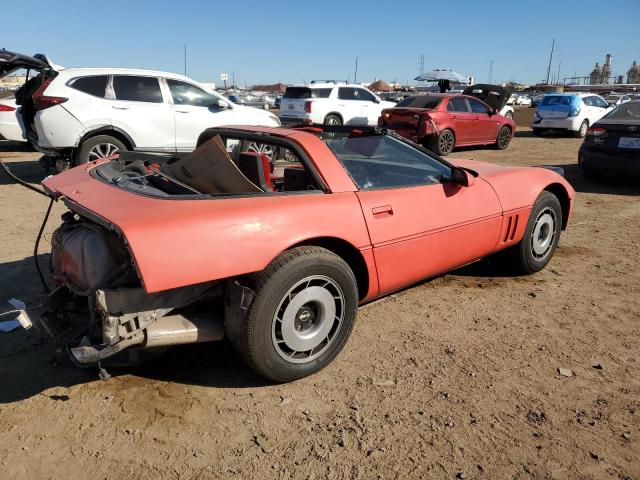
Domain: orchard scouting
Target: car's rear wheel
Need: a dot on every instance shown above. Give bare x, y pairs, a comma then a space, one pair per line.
509, 114
301, 316
444, 142
541, 235
332, 120
582, 131
98, 147
504, 138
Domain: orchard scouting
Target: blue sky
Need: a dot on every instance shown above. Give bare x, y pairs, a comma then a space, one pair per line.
263, 42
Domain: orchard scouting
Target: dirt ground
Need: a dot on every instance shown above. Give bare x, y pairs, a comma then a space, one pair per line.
454, 378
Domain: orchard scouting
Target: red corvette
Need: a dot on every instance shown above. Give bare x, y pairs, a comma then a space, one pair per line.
275, 255
442, 122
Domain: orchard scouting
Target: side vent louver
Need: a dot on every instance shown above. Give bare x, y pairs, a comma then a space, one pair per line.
512, 228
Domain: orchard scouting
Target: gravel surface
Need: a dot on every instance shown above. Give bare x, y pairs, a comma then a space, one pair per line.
471, 375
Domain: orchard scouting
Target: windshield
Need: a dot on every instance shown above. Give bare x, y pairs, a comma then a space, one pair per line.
420, 101
382, 161
626, 111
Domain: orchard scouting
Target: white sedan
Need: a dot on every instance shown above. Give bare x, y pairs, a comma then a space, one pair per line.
522, 100
10, 121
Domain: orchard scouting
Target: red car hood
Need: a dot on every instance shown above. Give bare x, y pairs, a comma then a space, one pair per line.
507, 181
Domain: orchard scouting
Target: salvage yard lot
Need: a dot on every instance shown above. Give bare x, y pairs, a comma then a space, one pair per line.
455, 376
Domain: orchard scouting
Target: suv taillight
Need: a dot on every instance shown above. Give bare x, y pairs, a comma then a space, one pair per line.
575, 111
41, 101
307, 106
6, 108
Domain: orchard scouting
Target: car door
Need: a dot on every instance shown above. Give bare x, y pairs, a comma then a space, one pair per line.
419, 222
462, 119
485, 127
350, 106
195, 110
138, 108
369, 106
599, 108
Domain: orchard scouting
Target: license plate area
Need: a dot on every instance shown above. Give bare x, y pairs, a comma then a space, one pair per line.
629, 142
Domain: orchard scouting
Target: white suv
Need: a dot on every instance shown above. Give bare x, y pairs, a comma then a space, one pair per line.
331, 103
82, 114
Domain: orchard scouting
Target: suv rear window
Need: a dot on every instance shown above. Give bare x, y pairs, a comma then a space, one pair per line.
137, 89
420, 101
304, 92
94, 85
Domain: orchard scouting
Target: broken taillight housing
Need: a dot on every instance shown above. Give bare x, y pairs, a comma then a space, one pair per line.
41, 101
596, 131
307, 106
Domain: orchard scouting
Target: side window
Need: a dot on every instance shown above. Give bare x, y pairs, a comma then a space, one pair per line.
137, 89
477, 107
95, 85
321, 92
347, 93
599, 102
457, 104
589, 101
365, 96
184, 93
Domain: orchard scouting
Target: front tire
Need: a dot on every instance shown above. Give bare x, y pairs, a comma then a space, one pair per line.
301, 316
444, 142
541, 236
98, 147
332, 120
504, 138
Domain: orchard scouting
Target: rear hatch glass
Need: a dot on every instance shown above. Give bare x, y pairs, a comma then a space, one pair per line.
557, 106
294, 98
420, 101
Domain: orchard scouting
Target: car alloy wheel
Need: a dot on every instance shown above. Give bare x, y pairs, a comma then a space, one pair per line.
543, 234
307, 319
263, 148
445, 142
102, 150
504, 137
333, 121
508, 115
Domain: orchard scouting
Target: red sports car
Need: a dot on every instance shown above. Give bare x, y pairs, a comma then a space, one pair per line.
442, 122
275, 253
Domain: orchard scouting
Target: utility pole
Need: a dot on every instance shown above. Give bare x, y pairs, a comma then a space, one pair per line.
550, 58
559, 65
421, 64
490, 72
185, 59
355, 75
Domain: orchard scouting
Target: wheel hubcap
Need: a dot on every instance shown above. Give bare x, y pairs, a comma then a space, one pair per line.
446, 142
102, 150
544, 233
333, 121
307, 319
261, 148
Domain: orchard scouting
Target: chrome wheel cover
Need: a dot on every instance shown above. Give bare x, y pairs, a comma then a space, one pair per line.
308, 319
102, 150
543, 234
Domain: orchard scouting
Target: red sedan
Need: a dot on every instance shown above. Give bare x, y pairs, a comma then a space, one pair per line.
276, 255
442, 122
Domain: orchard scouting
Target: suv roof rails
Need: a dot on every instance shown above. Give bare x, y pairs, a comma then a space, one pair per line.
328, 81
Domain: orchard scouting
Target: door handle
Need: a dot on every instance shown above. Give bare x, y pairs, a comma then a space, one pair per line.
382, 211
182, 111
120, 108
453, 117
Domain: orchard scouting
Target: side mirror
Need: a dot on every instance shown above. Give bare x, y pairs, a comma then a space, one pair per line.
461, 177
223, 105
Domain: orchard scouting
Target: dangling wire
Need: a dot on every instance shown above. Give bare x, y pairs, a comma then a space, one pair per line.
35, 248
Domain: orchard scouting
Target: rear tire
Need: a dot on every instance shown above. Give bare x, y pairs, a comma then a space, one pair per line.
509, 115
95, 148
443, 143
537, 132
582, 131
503, 139
332, 120
541, 236
301, 316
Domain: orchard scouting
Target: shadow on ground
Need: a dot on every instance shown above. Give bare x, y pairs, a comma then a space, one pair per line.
28, 171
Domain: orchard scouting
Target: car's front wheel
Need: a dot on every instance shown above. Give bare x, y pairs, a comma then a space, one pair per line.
504, 138
333, 120
541, 235
98, 147
301, 316
443, 143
